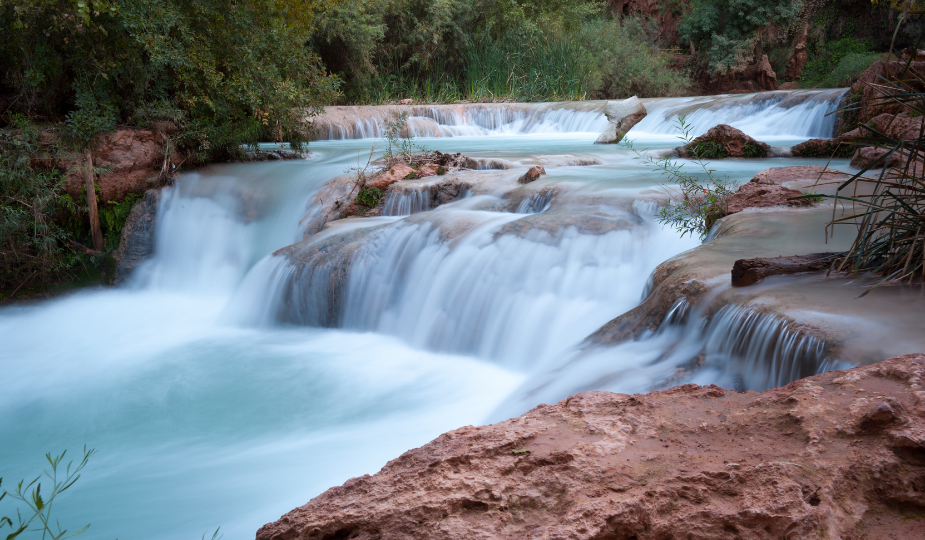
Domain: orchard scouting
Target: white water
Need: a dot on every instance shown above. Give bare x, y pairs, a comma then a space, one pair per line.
218, 393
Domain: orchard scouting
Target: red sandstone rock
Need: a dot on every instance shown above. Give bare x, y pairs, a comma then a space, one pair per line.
755, 195
868, 156
779, 175
765, 77
837, 455
532, 174
798, 59
732, 139
395, 173
896, 126
134, 157
871, 85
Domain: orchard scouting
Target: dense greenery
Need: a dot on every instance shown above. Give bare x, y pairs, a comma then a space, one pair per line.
227, 72
490, 50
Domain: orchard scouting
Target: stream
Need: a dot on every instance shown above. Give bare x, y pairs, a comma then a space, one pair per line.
224, 385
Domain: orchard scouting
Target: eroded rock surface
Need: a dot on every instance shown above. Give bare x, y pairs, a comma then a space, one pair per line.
623, 115
531, 175
837, 455
755, 195
780, 175
137, 241
750, 271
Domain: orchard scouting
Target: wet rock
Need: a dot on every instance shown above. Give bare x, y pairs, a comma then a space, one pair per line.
765, 77
690, 461
622, 115
750, 271
755, 195
532, 174
724, 141
823, 148
137, 242
780, 175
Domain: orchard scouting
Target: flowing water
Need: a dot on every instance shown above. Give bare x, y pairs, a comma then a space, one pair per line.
225, 385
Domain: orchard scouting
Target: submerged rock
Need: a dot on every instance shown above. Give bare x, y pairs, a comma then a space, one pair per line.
724, 141
623, 115
838, 455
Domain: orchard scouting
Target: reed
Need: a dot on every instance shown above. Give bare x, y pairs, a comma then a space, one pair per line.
888, 208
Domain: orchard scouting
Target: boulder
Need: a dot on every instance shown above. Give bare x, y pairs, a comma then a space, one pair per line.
868, 156
835, 455
823, 148
779, 175
755, 195
532, 174
723, 141
900, 127
622, 115
765, 77
750, 271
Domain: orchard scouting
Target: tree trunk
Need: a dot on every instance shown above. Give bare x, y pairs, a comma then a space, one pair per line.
95, 229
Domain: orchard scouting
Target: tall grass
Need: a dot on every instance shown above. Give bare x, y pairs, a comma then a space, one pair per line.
888, 208
600, 59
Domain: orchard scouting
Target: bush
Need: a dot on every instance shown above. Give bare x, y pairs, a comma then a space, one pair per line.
369, 196
836, 62
849, 68
725, 32
754, 151
709, 150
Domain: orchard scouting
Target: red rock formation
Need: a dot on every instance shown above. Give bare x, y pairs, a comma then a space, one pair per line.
733, 140
823, 148
837, 455
896, 126
764, 74
532, 174
386, 178
779, 175
799, 57
134, 157
870, 87
755, 195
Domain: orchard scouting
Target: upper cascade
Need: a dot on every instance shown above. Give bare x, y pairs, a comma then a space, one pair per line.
783, 113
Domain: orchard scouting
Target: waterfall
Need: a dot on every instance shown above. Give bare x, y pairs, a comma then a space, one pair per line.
788, 114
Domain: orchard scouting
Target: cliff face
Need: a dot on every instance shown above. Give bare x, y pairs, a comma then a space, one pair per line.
837, 455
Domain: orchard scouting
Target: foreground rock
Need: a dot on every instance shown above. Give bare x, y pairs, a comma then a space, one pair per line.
816, 173
724, 141
823, 148
750, 271
532, 174
623, 115
837, 455
755, 195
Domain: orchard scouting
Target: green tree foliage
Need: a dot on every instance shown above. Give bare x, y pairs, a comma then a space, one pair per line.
725, 32
230, 72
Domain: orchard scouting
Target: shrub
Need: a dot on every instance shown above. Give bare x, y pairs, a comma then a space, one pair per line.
709, 150
825, 67
752, 150
369, 196
696, 205
849, 68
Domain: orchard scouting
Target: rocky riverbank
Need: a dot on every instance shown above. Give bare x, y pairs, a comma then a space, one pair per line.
837, 455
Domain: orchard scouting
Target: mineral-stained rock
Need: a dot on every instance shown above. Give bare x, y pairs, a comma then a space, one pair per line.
836, 455
623, 115
755, 195
798, 59
393, 174
137, 241
750, 271
823, 148
733, 141
532, 174
779, 175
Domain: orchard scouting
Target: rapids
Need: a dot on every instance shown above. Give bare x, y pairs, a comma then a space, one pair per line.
224, 384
